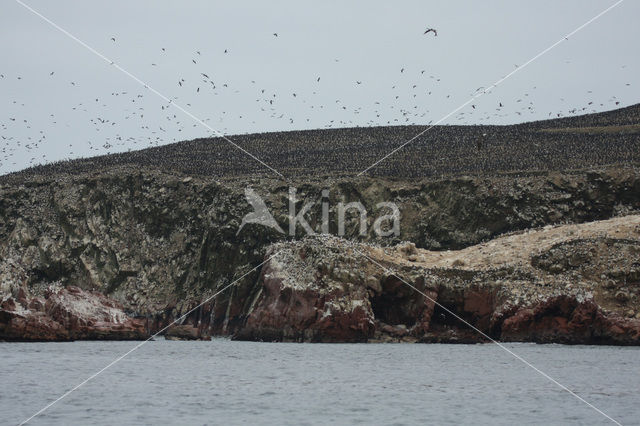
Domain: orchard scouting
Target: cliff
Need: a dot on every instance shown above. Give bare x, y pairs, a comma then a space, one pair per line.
157, 232
564, 284
159, 244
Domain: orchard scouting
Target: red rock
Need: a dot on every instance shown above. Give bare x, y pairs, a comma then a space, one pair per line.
68, 314
8, 304
185, 332
305, 302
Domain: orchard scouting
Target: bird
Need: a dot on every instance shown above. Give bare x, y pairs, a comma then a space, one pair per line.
318, 79
225, 50
113, 39
275, 34
433, 30
51, 73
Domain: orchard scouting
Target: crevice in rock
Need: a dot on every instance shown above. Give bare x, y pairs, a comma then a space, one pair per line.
391, 306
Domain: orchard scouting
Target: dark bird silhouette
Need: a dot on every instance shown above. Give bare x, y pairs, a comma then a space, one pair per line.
318, 79
275, 34
225, 50
431, 30
51, 73
113, 39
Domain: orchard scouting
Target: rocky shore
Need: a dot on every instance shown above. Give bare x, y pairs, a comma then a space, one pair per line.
577, 284
65, 314
119, 247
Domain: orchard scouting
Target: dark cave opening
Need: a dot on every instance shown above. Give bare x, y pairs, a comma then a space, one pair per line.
393, 307
442, 317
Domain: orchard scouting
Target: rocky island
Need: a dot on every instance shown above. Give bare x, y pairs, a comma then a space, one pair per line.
516, 233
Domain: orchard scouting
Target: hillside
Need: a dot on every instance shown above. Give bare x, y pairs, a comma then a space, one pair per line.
579, 142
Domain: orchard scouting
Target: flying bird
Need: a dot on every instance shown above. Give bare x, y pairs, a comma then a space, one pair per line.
113, 39
433, 30
275, 34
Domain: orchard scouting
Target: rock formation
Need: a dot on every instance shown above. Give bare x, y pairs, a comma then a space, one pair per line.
159, 245
66, 314
564, 284
157, 233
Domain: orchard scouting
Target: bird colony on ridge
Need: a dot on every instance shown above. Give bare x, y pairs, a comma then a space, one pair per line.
281, 149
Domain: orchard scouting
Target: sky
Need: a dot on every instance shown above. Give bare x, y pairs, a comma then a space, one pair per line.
332, 64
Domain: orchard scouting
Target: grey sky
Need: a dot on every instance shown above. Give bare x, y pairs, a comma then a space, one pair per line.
341, 42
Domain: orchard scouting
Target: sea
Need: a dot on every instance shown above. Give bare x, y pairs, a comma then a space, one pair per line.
224, 382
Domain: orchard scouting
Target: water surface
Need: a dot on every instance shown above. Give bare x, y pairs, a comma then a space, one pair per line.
226, 382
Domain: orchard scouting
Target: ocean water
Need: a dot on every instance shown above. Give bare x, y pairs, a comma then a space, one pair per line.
226, 382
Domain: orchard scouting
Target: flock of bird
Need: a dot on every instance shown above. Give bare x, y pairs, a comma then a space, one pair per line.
406, 106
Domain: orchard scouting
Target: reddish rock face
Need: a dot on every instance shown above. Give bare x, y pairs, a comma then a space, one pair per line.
185, 332
316, 291
566, 320
67, 314
284, 313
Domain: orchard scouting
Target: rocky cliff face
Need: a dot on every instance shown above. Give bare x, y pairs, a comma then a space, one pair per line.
566, 284
67, 314
159, 244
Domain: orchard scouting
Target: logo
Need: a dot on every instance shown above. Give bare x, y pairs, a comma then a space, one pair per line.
385, 225
260, 214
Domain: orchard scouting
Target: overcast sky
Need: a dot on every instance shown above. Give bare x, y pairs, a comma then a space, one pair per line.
368, 55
